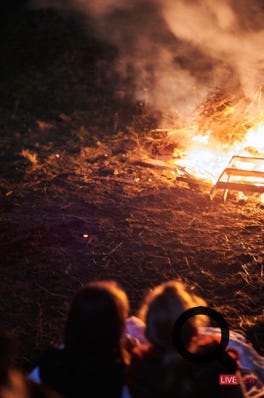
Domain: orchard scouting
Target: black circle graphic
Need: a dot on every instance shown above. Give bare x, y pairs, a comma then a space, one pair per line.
219, 353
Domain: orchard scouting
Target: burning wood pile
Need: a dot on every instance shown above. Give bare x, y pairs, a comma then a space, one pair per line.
223, 145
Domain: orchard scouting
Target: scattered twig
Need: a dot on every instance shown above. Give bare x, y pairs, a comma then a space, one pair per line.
50, 293
40, 325
114, 249
187, 261
243, 276
192, 221
245, 269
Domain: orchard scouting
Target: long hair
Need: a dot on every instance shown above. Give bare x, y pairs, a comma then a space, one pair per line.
162, 307
160, 310
96, 320
93, 358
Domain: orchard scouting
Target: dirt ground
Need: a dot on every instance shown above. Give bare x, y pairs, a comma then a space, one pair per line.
77, 203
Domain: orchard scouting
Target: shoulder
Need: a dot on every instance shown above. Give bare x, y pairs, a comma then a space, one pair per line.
145, 359
48, 359
52, 365
52, 355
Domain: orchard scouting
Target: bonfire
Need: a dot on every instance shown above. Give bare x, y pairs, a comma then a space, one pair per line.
223, 145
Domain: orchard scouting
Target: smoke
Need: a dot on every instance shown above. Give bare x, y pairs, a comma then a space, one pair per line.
221, 32
178, 50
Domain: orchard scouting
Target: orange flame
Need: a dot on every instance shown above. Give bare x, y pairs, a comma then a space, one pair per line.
206, 160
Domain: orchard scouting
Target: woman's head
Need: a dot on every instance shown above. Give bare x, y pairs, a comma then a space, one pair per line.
161, 308
96, 318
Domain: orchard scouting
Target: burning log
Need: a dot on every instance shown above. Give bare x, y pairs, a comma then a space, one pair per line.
158, 164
